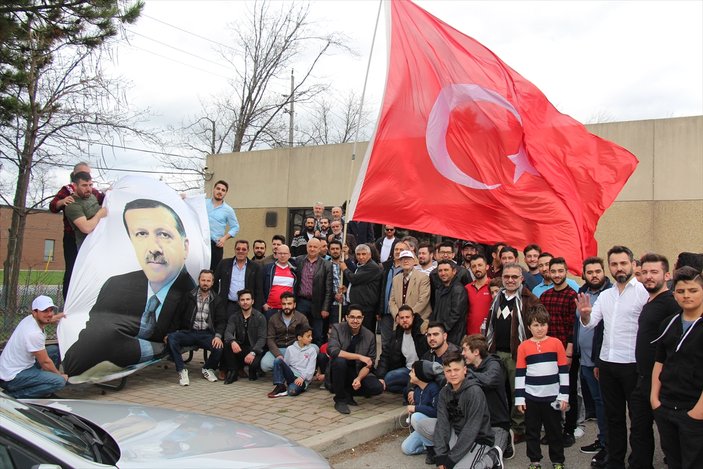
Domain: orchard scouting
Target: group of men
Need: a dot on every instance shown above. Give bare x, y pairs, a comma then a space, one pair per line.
424, 299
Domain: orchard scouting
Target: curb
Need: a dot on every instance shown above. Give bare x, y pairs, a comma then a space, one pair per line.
349, 436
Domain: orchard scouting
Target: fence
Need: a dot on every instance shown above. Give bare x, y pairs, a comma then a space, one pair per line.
25, 295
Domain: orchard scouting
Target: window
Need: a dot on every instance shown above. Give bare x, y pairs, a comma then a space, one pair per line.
49, 250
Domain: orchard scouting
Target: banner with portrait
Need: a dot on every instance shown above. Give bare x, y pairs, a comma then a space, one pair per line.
129, 277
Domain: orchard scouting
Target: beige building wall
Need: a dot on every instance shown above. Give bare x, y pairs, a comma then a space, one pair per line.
660, 208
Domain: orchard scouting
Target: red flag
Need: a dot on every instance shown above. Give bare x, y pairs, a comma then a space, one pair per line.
468, 148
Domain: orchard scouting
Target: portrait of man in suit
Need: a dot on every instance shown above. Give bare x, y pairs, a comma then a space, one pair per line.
136, 310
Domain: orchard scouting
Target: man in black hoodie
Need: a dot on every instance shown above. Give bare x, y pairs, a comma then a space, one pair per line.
462, 434
487, 370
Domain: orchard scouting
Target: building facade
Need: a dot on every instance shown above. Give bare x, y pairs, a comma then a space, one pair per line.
660, 208
43, 240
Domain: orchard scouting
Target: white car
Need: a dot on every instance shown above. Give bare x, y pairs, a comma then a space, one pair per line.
51, 434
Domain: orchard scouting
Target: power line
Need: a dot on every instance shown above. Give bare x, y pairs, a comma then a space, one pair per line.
143, 171
178, 49
189, 32
209, 72
124, 147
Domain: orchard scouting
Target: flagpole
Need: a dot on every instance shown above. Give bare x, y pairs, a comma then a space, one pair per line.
356, 140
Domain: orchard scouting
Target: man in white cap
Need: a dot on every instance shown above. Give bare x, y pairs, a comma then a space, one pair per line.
412, 288
28, 368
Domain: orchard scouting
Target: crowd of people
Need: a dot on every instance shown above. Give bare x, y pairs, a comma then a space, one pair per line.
484, 351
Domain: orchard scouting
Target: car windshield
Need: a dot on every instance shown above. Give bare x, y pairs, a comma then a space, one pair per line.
46, 426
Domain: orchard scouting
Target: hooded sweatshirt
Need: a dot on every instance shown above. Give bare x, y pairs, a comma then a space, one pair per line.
490, 375
302, 360
465, 413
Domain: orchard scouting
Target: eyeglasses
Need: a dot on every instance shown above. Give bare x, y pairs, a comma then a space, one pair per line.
354, 318
511, 277
390, 229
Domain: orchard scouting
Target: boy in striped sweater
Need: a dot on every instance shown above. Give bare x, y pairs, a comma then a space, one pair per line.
542, 388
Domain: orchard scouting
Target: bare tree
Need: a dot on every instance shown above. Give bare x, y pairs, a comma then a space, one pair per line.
54, 97
268, 45
329, 123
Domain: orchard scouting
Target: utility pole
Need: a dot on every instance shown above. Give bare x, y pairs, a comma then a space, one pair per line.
291, 111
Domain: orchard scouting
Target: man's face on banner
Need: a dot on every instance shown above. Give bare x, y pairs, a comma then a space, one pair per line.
161, 250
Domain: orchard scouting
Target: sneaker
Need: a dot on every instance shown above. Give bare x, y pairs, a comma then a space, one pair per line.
183, 377
209, 375
568, 439
558, 465
509, 452
592, 448
278, 391
534, 465
496, 455
600, 459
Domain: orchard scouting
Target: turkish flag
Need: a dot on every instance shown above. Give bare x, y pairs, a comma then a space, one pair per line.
468, 148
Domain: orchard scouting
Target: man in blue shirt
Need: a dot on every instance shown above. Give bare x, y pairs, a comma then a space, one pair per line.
220, 215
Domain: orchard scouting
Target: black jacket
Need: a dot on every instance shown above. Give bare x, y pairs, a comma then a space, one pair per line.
365, 284
465, 413
321, 285
256, 330
681, 356
392, 356
462, 274
490, 375
450, 308
340, 339
379, 246
217, 319
253, 280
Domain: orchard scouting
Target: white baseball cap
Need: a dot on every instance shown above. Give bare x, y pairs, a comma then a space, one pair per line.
42, 302
406, 254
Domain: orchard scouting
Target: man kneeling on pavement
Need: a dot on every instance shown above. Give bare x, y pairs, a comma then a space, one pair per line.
462, 433
352, 351
406, 346
28, 368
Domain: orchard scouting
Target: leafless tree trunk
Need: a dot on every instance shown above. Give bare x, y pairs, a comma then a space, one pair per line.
329, 123
63, 98
268, 44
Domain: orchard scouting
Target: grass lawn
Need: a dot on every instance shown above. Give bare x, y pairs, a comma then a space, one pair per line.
38, 277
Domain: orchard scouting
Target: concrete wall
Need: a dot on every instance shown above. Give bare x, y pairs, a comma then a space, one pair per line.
659, 209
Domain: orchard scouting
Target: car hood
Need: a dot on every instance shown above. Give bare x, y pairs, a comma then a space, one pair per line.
153, 437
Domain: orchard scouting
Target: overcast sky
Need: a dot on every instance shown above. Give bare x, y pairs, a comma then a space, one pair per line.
614, 61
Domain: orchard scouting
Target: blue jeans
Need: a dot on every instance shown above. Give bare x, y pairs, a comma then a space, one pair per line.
282, 374
590, 380
397, 380
201, 339
415, 443
267, 361
35, 382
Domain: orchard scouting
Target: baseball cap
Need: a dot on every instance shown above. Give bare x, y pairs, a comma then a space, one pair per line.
468, 244
406, 253
42, 302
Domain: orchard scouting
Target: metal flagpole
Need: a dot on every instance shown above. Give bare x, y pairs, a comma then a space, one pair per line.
356, 139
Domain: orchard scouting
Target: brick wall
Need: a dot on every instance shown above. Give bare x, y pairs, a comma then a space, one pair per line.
42, 227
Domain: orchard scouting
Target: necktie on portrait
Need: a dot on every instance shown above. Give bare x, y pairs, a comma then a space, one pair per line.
148, 323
